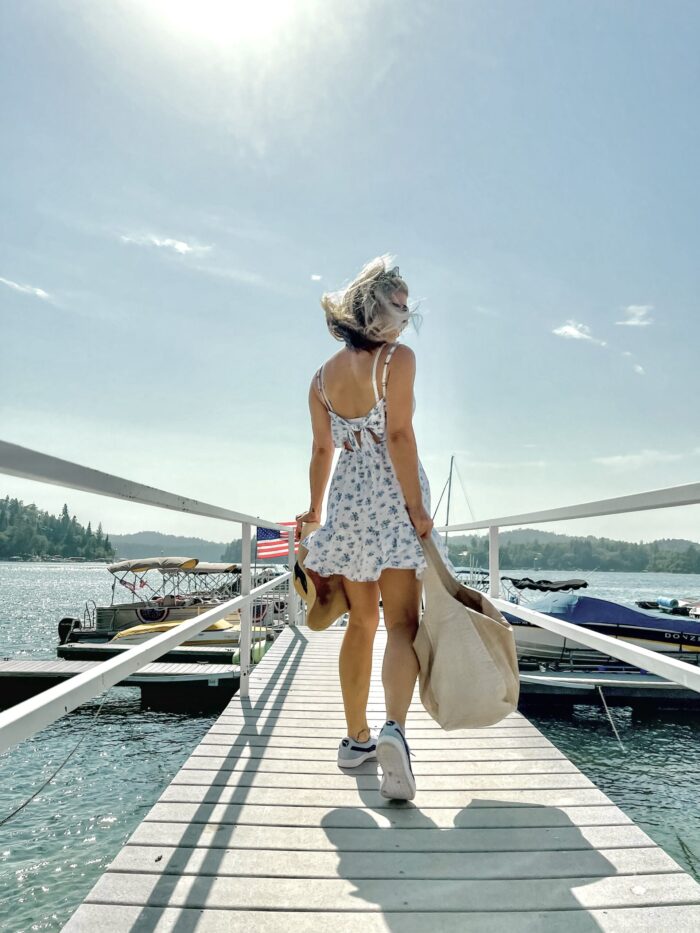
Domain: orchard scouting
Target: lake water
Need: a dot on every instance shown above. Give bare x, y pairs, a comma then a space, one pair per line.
53, 851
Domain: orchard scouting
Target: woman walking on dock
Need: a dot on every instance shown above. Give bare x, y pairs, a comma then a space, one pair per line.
378, 506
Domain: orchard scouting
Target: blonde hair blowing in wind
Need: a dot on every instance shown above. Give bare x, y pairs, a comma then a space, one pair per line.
362, 314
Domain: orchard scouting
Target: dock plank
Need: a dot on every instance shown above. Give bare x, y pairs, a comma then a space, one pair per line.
438, 782
505, 832
492, 815
137, 919
65, 669
399, 865
422, 839
263, 892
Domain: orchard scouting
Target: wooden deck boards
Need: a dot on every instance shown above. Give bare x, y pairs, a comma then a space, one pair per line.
63, 669
261, 831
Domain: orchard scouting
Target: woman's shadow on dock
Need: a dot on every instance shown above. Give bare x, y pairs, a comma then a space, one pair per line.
490, 857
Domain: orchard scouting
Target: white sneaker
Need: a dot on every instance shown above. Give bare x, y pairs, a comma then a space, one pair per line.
352, 753
394, 757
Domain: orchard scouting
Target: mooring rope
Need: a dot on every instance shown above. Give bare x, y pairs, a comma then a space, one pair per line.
617, 734
7, 818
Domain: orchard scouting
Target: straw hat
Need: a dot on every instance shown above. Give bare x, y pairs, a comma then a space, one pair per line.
324, 596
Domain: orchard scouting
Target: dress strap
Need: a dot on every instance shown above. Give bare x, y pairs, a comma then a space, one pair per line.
385, 374
374, 374
322, 388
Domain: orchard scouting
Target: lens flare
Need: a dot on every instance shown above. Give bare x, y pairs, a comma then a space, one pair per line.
224, 22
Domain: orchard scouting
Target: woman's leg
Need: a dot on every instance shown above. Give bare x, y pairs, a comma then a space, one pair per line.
356, 654
401, 593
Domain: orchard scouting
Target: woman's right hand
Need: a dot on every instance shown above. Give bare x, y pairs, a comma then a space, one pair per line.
304, 518
421, 520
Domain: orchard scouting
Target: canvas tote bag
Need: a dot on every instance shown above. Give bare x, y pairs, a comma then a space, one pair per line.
466, 650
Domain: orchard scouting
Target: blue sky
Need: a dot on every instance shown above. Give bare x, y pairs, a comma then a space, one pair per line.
180, 183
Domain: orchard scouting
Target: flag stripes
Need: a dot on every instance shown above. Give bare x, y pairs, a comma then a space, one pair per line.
273, 542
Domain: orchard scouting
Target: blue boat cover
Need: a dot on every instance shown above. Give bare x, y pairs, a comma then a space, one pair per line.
591, 610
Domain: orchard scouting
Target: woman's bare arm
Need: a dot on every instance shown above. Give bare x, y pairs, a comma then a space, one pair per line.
321, 457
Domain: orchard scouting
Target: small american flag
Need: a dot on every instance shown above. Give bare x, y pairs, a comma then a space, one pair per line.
273, 542
133, 586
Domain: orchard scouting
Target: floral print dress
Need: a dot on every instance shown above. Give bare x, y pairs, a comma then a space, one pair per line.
367, 527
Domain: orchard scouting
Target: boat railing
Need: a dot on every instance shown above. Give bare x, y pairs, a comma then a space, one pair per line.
672, 669
89, 622
25, 719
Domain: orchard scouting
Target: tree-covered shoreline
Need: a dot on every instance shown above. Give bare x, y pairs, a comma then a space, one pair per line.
27, 532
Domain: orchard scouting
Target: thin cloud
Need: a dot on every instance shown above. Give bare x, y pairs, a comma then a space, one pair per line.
26, 289
235, 275
177, 246
638, 369
637, 316
505, 465
245, 228
572, 330
644, 458
244, 277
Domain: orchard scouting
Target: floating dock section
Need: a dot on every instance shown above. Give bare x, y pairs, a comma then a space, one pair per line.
260, 830
163, 686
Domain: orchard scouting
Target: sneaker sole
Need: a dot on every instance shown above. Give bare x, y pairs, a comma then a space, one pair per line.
356, 762
397, 781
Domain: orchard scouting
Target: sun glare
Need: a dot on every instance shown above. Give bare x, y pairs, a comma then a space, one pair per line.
224, 22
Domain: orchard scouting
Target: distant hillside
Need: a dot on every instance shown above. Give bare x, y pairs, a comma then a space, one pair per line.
523, 535
539, 551
673, 544
527, 535
155, 544
521, 548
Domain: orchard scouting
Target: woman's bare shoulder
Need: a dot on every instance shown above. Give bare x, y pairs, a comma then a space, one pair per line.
323, 369
403, 359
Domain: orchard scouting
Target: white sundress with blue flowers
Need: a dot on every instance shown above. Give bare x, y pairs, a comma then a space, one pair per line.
367, 528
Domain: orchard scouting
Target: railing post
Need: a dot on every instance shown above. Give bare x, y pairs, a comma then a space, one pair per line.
494, 570
292, 607
246, 611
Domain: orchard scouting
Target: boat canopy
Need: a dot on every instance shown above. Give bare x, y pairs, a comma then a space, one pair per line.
140, 565
216, 568
545, 586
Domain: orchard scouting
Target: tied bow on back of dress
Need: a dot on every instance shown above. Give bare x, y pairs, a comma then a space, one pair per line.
368, 431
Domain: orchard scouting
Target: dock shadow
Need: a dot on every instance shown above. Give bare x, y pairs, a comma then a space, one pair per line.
449, 899
150, 917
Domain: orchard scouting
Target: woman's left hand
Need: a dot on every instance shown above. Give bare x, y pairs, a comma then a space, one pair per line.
304, 518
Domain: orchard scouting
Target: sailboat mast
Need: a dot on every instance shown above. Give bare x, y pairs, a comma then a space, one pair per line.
449, 495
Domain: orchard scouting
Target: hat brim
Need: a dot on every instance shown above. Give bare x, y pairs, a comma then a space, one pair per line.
325, 597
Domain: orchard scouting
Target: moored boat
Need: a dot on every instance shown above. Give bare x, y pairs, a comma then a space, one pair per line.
166, 591
674, 635
223, 633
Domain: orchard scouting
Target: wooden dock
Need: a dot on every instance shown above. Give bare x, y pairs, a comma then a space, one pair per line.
163, 686
187, 654
260, 830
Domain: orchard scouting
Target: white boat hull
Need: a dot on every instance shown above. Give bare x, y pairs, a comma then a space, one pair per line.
537, 643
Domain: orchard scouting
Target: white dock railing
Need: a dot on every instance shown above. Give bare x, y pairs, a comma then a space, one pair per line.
23, 720
671, 497
26, 718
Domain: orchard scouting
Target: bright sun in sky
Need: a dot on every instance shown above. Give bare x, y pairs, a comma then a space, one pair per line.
224, 21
